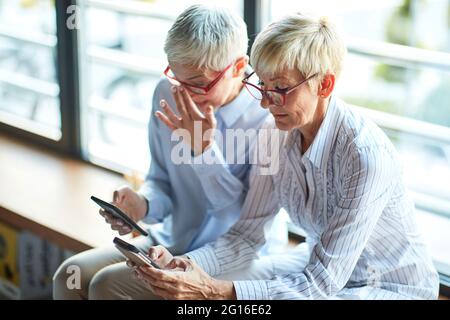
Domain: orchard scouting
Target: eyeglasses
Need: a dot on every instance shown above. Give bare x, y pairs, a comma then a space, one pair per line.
275, 96
195, 89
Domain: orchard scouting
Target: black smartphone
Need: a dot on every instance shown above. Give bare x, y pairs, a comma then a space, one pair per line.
134, 254
119, 214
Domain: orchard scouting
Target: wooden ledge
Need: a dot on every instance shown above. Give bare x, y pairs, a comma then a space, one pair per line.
48, 194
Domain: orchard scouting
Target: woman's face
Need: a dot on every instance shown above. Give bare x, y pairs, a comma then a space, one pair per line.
218, 95
300, 105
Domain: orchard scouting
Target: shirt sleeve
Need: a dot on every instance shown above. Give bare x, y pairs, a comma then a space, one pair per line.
364, 192
239, 246
156, 188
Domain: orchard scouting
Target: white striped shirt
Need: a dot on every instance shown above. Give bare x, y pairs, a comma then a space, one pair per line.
347, 192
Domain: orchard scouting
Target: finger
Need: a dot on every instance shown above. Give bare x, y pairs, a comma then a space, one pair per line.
125, 230
156, 274
113, 221
145, 277
105, 214
117, 224
168, 111
159, 275
108, 215
118, 196
180, 103
109, 218
168, 288
142, 277
156, 252
177, 263
118, 227
210, 117
131, 264
163, 285
191, 107
161, 116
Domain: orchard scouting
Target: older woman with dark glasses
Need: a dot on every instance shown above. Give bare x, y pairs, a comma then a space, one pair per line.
339, 178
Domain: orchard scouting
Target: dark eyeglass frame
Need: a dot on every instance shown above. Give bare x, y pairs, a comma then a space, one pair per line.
198, 89
266, 93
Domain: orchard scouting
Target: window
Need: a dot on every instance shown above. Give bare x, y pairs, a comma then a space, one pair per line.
122, 59
398, 73
398, 66
29, 89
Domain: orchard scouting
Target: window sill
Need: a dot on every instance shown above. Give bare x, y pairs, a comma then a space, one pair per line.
48, 194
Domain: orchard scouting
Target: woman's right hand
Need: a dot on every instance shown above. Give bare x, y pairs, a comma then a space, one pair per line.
131, 203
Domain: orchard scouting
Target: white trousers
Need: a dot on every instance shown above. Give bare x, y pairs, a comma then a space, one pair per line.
105, 276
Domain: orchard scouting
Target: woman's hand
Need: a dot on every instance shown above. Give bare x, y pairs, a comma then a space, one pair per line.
183, 279
131, 203
160, 255
189, 118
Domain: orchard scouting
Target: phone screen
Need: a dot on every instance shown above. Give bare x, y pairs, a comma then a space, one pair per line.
134, 254
116, 212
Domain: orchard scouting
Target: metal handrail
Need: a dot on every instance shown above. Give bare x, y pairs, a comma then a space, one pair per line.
36, 38
399, 54
126, 61
113, 109
24, 82
407, 125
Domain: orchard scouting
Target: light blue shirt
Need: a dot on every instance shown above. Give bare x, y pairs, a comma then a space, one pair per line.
193, 204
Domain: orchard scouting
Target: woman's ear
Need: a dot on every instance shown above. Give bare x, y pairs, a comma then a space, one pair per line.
240, 66
327, 85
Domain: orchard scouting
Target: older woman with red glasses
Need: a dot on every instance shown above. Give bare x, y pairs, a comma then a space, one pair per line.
186, 203
339, 178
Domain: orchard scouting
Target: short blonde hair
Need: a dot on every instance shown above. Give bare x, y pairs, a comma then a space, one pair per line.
304, 42
207, 37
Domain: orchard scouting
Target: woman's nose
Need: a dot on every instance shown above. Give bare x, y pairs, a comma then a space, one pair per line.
265, 102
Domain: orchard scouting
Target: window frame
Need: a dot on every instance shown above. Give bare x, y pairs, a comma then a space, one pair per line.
65, 45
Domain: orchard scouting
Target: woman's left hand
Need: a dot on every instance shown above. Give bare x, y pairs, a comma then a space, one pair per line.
183, 279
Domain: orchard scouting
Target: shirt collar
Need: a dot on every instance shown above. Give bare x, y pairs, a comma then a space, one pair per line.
318, 152
233, 110
294, 137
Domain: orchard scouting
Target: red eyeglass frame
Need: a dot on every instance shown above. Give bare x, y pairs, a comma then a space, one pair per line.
283, 93
201, 90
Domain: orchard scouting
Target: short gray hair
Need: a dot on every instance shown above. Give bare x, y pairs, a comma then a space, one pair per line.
304, 42
206, 37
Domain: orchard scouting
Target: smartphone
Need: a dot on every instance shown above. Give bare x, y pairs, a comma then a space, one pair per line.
134, 254
119, 214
